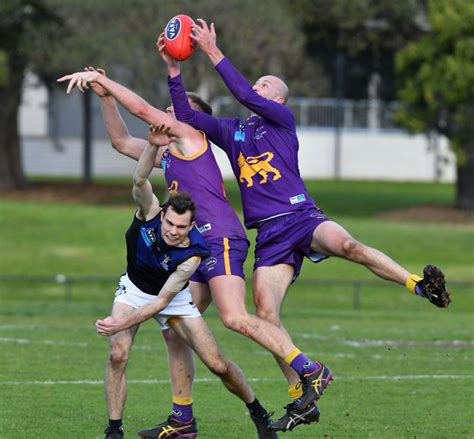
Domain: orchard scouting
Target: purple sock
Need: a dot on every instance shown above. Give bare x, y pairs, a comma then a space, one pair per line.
419, 291
183, 413
303, 365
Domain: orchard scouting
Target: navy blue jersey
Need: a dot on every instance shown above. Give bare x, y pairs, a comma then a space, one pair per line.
150, 261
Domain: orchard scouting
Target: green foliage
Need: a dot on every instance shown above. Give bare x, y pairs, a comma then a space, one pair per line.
4, 72
120, 36
436, 73
359, 25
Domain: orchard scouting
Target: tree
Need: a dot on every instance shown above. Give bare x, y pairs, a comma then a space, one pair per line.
54, 37
366, 33
436, 75
18, 20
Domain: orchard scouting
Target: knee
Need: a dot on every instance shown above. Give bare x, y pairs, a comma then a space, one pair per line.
265, 309
234, 321
118, 357
352, 249
170, 336
218, 366
269, 314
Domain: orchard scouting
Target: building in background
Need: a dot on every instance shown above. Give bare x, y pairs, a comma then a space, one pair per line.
365, 144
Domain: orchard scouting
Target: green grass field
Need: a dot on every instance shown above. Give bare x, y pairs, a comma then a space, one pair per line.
403, 368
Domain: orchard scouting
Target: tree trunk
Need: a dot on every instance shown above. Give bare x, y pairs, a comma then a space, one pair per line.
465, 180
11, 168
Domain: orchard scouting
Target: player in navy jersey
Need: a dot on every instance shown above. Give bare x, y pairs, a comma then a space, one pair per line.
164, 248
223, 273
263, 152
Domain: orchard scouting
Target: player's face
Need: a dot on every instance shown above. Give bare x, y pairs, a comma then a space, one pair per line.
267, 87
175, 227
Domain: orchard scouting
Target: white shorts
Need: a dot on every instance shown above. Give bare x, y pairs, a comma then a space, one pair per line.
182, 305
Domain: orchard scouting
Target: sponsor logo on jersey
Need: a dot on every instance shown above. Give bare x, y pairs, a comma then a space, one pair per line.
172, 28
297, 199
258, 165
164, 262
205, 227
259, 133
239, 136
211, 262
148, 236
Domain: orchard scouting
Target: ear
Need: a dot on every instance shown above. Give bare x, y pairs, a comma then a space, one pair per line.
162, 215
280, 100
193, 223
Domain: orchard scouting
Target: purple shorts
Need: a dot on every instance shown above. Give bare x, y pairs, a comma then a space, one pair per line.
287, 239
227, 258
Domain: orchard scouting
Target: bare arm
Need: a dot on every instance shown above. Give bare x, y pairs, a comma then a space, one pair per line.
148, 204
174, 284
132, 102
118, 132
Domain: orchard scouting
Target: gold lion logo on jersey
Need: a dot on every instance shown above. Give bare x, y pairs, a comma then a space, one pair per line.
173, 187
260, 164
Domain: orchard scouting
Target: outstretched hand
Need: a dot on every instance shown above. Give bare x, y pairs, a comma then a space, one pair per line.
98, 89
81, 80
159, 135
160, 44
109, 326
204, 35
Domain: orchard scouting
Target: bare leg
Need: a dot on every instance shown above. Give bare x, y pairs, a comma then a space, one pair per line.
180, 364
228, 293
115, 377
332, 239
197, 334
270, 285
180, 355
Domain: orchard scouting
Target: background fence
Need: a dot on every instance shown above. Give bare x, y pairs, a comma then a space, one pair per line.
355, 287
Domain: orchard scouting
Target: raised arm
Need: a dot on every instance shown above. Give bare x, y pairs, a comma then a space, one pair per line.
132, 102
205, 36
182, 109
173, 285
147, 203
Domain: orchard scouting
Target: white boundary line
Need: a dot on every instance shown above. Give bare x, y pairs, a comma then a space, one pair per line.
253, 380
356, 343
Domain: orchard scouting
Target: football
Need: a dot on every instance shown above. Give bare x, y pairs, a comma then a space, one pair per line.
178, 41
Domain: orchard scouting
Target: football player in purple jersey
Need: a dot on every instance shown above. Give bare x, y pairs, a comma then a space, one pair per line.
263, 152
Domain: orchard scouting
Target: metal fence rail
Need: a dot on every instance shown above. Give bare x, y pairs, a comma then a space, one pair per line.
68, 282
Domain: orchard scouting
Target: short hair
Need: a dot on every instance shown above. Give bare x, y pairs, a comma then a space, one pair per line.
181, 202
197, 100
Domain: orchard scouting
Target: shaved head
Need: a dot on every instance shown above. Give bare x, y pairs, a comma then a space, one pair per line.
280, 86
272, 87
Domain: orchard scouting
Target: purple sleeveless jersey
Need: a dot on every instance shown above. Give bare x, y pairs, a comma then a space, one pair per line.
263, 150
201, 177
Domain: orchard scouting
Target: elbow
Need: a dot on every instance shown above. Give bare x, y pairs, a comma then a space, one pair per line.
138, 181
117, 145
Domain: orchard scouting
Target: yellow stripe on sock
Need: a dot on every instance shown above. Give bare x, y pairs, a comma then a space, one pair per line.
410, 283
295, 390
182, 401
292, 355
226, 257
